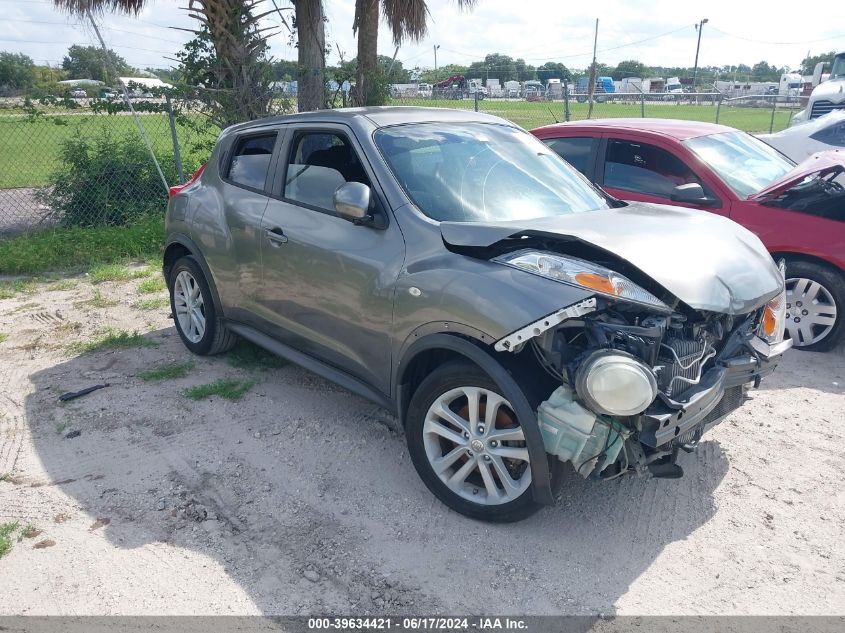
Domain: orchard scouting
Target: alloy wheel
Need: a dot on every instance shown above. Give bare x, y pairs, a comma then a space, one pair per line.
189, 306
810, 311
476, 447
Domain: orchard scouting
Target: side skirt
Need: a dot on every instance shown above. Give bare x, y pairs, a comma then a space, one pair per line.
328, 372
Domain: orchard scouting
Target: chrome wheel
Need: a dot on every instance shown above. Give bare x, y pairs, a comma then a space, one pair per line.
476, 447
189, 306
810, 311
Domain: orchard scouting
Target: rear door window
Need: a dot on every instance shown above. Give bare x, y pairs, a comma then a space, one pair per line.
643, 168
575, 150
251, 160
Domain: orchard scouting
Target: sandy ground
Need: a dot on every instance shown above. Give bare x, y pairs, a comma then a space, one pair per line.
301, 497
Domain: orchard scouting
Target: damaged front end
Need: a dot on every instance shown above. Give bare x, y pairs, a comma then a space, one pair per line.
640, 379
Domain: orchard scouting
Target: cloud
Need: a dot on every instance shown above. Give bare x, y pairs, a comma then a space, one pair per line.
656, 32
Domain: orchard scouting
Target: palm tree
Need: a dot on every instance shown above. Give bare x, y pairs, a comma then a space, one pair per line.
311, 54
407, 20
240, 45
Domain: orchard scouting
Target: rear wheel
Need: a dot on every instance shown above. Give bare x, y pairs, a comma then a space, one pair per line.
196, 317
468, 445
815, 302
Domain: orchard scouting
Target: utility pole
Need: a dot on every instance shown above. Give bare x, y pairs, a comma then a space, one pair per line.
436, 46
698, 27
591, 86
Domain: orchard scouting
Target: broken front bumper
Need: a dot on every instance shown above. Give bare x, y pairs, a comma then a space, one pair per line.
720, 391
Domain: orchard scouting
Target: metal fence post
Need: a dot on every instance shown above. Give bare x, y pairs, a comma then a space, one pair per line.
177, 156
772, 120
566, 113
718, 106
642, 104
476, 99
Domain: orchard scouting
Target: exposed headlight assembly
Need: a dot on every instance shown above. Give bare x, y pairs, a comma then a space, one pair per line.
581, 273
773, 323
615, 383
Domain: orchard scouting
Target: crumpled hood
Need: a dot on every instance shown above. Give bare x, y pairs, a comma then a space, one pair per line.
819, 164
707, 261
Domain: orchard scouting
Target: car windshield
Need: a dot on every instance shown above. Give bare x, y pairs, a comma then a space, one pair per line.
745, 163
483, 172
838, 70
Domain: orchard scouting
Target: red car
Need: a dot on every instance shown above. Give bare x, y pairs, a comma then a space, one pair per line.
798, 211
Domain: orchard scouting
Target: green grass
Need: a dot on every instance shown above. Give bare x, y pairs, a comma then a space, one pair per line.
534, 114
76, 247
97, 301
115, 272
153, 304
9, 289
167, 372
150, 286
40, 142
64, 284
227, 388
111, 339
3, 337
246, 355
6, 531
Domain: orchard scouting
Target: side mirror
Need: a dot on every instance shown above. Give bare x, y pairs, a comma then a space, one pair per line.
691, 193
817, 74
352, 202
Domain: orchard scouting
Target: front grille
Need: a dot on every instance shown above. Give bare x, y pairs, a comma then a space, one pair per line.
680, 363
823, 106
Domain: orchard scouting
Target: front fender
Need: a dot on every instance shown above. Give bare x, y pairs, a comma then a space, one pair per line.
540, 473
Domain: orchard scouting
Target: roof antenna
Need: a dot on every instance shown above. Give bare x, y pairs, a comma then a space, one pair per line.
553, 115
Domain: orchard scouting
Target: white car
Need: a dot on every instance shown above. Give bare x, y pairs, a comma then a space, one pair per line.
802, 141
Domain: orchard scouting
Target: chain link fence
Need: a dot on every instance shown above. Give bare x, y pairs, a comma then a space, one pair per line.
82, 162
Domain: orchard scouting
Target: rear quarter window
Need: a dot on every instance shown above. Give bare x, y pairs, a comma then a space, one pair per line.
250, 160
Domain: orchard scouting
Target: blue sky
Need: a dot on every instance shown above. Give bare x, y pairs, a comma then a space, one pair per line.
656, 32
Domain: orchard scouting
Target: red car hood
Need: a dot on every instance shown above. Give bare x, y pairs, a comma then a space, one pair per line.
821, 164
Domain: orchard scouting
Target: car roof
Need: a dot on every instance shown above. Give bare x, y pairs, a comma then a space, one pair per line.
377, 116
672, 128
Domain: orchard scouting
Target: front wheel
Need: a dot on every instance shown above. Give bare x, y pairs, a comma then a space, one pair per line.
468, 445
815, 301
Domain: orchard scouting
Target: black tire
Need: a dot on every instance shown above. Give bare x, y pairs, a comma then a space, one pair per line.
216, 338
834, 284
442, 380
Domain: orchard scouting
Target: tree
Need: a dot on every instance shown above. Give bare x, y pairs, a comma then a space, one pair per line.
495, 66
407, 20
311, 46
428, 75
808, 64
553, 70
90, 62
226, 101
16, 72
629, 68
763, 71
240, 45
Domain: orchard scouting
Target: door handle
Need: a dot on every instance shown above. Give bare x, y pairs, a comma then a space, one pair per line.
276, 236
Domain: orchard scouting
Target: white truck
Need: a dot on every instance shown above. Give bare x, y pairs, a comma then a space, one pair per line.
827, 95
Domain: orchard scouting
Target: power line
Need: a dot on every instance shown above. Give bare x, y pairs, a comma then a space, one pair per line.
108, 28
756, 41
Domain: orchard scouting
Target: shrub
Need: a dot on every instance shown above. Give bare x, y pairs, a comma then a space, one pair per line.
107, 181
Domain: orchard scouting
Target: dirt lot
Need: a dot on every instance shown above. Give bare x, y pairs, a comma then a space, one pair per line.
300, 497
